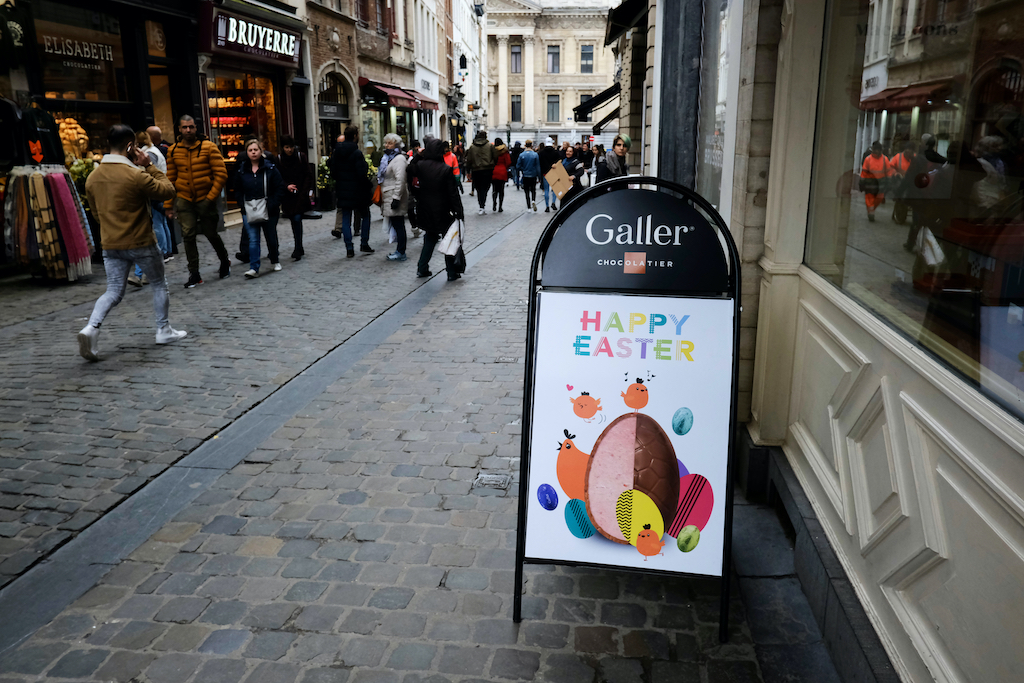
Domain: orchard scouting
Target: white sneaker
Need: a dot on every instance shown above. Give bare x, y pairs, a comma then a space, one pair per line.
252, 273
169, 335
88, 343
277, 267
480, 212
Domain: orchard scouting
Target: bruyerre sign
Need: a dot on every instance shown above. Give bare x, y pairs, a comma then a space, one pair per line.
631, 385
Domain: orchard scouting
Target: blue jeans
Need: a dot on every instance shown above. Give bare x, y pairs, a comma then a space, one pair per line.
270, 232
547, 190
346, 227
117, 263
163, 233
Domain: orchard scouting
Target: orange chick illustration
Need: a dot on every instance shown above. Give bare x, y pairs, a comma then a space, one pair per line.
586, 406
571, 467
648, 544
636, 395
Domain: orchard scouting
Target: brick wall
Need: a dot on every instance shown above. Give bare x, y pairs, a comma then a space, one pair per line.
321, 49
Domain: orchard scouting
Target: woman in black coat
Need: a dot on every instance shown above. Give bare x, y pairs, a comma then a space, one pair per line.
353, 189
258, 178
437, 202
298, 181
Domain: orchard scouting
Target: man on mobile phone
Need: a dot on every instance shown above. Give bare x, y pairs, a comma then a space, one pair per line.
120, 191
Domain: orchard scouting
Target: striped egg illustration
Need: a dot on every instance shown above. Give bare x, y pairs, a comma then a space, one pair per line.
635, 510
577, 520
696, 500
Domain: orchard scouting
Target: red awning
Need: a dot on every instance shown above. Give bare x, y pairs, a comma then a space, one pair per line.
426, 104
919, 96
395, 96
879, 100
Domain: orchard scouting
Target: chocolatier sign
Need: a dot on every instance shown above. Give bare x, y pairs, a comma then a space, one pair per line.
256, 39
631, 385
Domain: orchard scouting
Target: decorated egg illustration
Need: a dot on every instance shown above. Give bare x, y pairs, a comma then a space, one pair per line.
696, 500
577, 520
688, 538
632, 453
682, 421
547, 496
635, 511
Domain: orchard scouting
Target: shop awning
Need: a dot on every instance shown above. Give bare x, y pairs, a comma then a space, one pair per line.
581, 112
920, 96
624, 17
389, 93
605, 121
426, 104
880, 100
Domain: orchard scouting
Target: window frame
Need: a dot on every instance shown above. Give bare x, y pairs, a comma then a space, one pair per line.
554, 65
586, 64
556, 100
515, 59
515, 102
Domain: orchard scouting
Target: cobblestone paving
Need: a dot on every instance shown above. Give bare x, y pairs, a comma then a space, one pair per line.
357, 544
76, 438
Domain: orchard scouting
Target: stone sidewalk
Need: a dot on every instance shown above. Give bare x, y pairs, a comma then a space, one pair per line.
77, 438
358, 542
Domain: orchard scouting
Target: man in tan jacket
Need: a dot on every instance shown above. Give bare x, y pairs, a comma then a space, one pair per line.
197, 170
120, 191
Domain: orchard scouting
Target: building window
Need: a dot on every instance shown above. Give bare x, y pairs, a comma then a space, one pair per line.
517, 108
553, 116
587, 59
924, 233
553, 59
380, 17
583, 100
516, 63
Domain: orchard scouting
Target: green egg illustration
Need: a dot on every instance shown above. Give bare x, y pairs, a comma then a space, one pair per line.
688, 538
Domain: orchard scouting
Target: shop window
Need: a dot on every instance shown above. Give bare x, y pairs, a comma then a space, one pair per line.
517, 108
242, 107
713, 104
163, 111
553, 114
516, 62
916, 206
553, 54
587, 60
156, 39
80, 53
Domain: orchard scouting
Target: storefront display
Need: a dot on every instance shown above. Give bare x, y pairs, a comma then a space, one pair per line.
242, 108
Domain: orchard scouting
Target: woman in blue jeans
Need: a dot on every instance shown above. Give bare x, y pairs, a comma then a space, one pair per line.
258, 178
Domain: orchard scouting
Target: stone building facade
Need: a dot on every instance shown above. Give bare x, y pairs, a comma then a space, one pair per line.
543, 61
334, 71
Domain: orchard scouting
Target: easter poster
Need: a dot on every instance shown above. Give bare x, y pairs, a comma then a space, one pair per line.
629, 440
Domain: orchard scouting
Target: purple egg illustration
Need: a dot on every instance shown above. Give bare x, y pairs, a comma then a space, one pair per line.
547, 496
682, 468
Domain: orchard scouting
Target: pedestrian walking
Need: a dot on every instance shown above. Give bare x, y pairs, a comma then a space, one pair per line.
528, 165
258, 179
549, 156
394, 192
514, 153
298, 183
196, 168
480, 158
157, 137
353, 190
453, 163
874, 173
242, 255
438, 203
574, 167
416, 150
615, 165
586, 155
900, 164
163, 233
499, 176
120, 193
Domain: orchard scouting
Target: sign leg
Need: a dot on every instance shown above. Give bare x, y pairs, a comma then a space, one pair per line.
723, 617
517, 597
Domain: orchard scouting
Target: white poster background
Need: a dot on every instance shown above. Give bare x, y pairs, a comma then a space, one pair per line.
703, 385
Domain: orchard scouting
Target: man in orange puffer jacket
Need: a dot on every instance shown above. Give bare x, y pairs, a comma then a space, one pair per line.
196, 168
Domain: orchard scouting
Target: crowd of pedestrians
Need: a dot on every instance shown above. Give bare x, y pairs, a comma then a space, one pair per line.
142, 184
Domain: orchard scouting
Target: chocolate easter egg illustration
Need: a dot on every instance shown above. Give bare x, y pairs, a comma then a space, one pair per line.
633, 452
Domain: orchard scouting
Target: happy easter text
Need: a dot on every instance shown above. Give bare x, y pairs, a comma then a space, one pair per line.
624, 347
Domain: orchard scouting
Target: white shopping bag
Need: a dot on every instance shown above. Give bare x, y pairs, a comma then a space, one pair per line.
389, 230
928, 247
452, 240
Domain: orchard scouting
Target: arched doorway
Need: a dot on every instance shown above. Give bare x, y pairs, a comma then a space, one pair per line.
333, 110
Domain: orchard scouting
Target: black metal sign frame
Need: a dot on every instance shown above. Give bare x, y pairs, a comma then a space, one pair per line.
704, 284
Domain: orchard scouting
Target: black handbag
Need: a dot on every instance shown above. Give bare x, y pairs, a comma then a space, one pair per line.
460, 261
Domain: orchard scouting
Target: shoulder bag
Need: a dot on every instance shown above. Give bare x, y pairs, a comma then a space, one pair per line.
256, 209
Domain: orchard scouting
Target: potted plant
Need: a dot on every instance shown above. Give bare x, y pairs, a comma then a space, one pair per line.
324, 185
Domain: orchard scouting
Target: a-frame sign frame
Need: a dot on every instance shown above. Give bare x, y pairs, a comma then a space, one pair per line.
636, 278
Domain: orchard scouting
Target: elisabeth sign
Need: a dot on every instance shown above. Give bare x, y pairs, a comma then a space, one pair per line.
631, 385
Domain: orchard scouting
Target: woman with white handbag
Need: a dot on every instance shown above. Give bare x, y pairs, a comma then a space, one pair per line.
438, 205
259, 189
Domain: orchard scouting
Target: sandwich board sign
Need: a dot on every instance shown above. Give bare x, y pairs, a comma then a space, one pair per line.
631, 386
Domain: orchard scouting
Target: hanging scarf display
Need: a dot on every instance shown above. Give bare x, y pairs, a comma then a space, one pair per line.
45, 224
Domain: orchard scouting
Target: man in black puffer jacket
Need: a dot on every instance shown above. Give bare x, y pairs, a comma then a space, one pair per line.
437, 202
353, 190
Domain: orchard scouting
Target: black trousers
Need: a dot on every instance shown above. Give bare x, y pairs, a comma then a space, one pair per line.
482, 183
530, 190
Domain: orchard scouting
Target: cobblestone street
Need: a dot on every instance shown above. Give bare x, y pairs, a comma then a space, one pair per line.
331, 520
